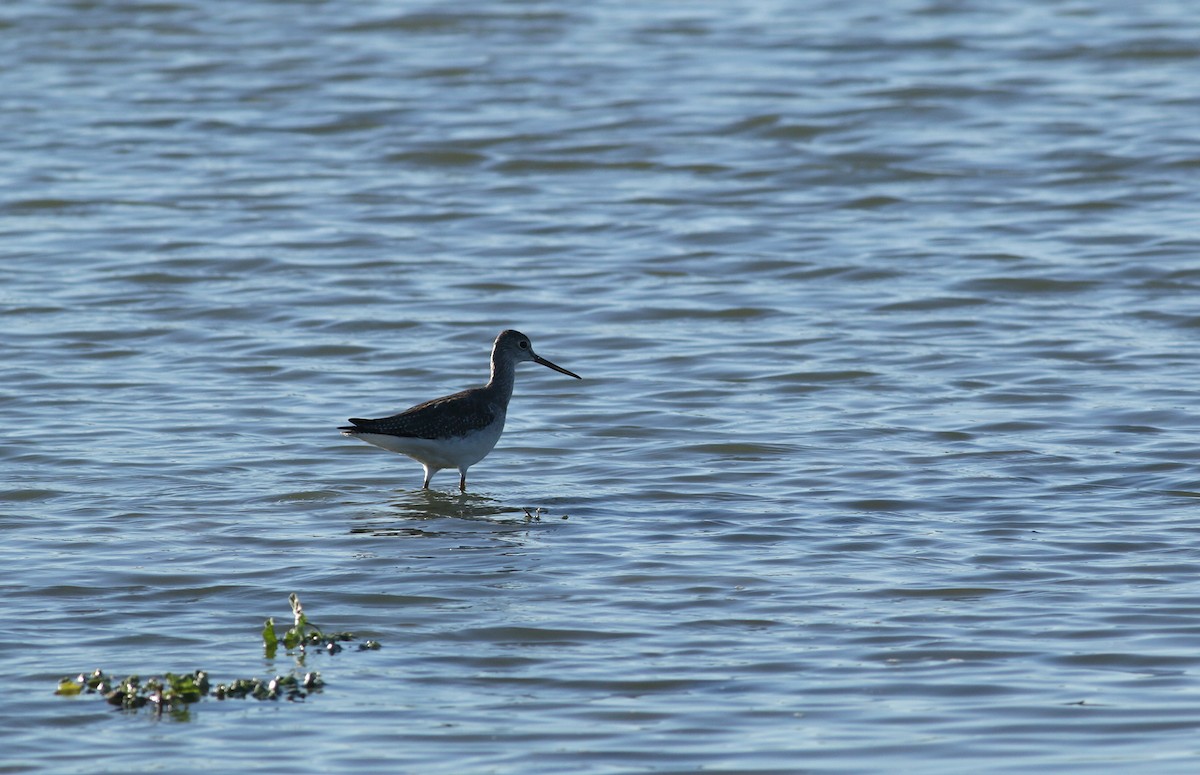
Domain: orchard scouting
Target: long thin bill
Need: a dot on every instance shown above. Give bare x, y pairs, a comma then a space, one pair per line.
559, 369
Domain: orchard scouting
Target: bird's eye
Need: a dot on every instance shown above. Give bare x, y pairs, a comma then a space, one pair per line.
523, 345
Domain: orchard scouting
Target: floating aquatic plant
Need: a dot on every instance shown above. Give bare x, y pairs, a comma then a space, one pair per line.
302, 635
533, 514
173, 692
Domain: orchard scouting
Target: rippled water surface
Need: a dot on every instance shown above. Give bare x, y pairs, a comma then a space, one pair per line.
885, 455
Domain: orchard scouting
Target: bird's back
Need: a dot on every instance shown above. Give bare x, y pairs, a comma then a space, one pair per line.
460, 414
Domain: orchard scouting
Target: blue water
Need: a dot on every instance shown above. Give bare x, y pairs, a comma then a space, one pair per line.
885, 455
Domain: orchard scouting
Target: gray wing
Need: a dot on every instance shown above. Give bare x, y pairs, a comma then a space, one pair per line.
453, 415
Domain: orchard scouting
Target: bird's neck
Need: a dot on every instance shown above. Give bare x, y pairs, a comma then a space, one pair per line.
504, 373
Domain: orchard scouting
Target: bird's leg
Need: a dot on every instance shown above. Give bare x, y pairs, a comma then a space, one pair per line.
428, 476
462, 481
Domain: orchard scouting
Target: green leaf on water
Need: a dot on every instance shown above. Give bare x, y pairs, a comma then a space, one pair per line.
69, 687
292, 638
270, 639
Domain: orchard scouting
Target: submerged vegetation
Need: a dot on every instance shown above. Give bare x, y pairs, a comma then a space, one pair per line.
174, 692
